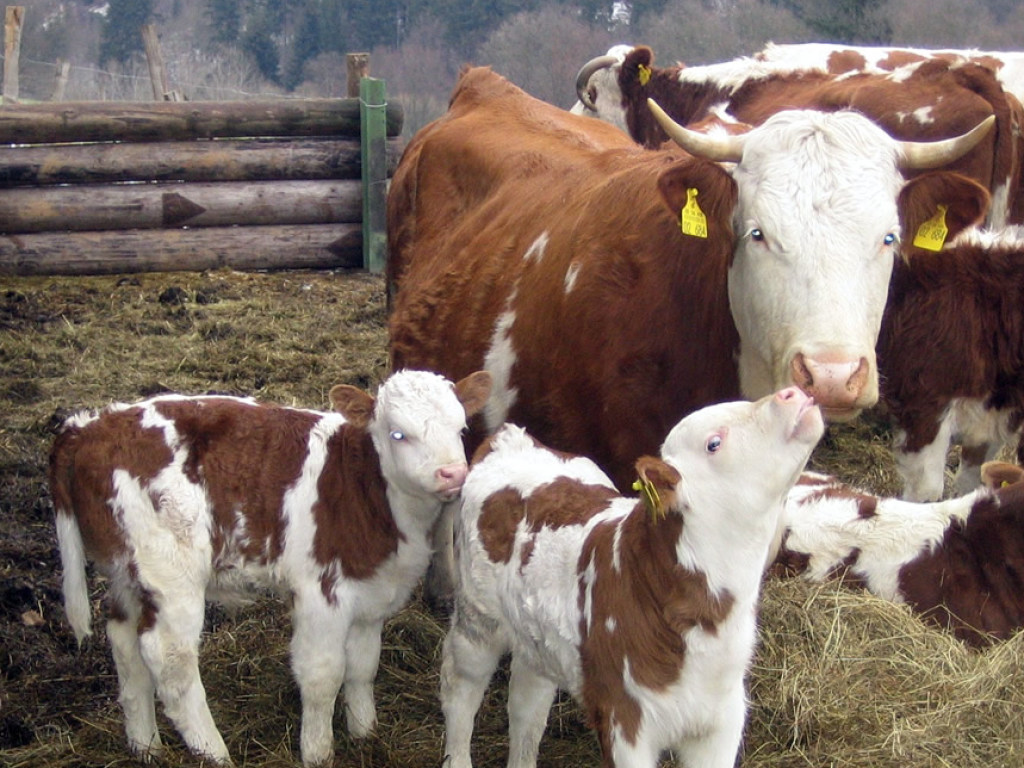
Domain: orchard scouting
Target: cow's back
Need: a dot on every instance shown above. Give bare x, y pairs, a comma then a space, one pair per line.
455, 163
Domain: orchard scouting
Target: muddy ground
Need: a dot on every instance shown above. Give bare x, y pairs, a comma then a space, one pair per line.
841, 679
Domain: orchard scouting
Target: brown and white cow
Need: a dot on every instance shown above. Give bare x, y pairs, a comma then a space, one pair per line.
951, 353
549, 249
643, 610
922, 101
959, 562
839, 59
177, 499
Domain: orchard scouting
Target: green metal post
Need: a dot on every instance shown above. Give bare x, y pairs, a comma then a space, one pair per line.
373, 128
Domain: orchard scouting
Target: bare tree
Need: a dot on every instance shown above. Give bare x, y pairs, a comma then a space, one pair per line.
947, 24
694, 32
541, 52
420, 75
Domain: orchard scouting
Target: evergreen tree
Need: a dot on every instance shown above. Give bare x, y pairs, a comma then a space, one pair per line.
122, 29
225, 20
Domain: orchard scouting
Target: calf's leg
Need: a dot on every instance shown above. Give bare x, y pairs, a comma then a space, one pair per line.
319, 639
529, 700
362, 656
136, 689
170, 649
469, 658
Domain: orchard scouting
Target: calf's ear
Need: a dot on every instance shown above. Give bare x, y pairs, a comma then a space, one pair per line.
996, 474
473, 392
352, 403
657, 485
965, 202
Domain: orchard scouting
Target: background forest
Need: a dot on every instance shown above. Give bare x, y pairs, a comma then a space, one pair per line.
226, 49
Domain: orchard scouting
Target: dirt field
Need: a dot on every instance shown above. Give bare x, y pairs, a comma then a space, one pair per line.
841, 679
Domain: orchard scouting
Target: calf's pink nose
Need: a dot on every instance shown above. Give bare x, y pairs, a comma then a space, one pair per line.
452, 475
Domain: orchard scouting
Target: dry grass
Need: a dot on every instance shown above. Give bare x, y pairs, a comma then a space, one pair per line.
841, 678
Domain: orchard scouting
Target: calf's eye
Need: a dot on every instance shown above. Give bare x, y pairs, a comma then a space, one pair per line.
757, 234
889, 239
397, 435
713, 444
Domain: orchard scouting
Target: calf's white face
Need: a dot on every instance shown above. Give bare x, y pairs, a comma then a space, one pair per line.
745, 452
416, 424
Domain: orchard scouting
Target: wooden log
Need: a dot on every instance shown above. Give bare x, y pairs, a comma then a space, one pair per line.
155, 60
13, 18
77, 121
318, 246
61, 81
156, 206
357, 66
220, 160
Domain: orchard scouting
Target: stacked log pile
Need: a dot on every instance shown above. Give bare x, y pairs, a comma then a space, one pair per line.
110, 187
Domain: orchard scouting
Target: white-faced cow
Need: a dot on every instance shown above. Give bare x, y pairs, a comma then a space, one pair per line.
644, 610
959, 563
548, 249
612, 289
922, 101
951, 354
177, 499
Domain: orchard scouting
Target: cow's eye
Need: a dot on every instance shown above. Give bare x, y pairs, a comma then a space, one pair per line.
889, 239
757, 235
713, 444
397, 435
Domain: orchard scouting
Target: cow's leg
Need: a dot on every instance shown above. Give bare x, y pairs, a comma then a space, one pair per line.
170, 649
136, 690
439, 583
968, 474
529, 700
319, 639
717, 745
924, 471
983, 432
469, 657
362, 655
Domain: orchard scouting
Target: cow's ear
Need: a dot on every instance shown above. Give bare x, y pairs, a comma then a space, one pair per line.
706, 190
656, 485
639, 58
996, 474
473, 392
947, 199
352, 403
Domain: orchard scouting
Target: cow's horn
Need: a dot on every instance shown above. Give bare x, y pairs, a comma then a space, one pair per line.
586, 72
922, 155
721, 149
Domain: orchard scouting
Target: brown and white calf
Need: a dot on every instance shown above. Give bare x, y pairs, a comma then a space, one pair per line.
959, 563
951, 355
645, 612
178, 498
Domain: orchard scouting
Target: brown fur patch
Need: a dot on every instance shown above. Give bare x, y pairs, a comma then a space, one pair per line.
973, 582
556, 504
354, 523
640, 611
247, 457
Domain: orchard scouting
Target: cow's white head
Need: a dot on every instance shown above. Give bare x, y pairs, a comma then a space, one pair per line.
816, 228
597, 88
416, 424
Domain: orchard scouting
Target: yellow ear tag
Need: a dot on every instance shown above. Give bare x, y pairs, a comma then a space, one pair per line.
651, 499
643, 74
693, 221
932, 234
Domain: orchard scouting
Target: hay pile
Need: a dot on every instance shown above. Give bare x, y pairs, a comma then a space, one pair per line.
841, 678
